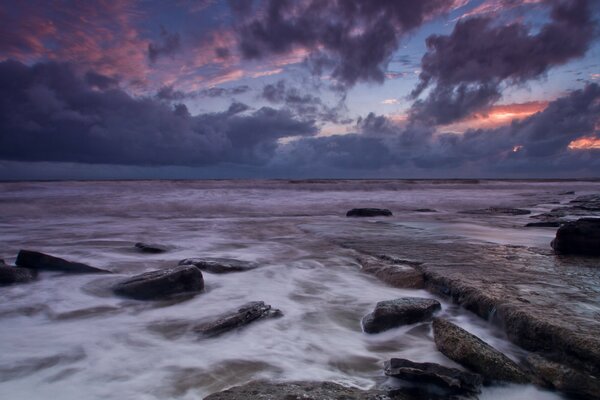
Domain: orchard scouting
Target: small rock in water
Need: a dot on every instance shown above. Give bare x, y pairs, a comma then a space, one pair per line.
578, 237
249, 312
544, 224
451, 379
567, 192
472, 352
10, 275
425, 210
41, 261
499, 210
150, 248
393, 313
369, 212
219, 265
157, 284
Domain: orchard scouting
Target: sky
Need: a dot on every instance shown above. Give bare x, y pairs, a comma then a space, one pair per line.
295, 89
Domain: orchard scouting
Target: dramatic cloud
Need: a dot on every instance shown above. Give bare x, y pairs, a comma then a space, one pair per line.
48, 113
354, 40
467, 68
169, 93
169, 44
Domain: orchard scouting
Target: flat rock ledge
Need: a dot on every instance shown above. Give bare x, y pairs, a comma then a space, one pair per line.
393, 313
497, 211
452, 380
369, 212
581, 237
219, 265
473, 353
158, 284
150, 248
300, 391
249, 312
40, 261
395, 274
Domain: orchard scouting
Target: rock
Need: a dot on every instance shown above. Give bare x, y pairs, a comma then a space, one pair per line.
150, 248
299, 391
393, 313
161, 283
472, 352
369, 212
246, 314
219, 265
569, 192
393, 273
41, 261
498, 210
563, 378
425, 210
544, 224
589, 202
578, 237
451, 379
10, 275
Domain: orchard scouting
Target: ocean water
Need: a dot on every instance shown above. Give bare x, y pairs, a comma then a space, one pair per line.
68, 337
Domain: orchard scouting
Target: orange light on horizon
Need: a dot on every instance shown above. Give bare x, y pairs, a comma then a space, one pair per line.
585, 143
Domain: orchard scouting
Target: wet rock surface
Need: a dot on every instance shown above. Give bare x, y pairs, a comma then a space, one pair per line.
393, 313
10, 274
161, 283
150, 248
40, 261
578, 237
473, 353
498, 210
219, 265
396, 274
246, 314
369, 212
543, 224
582, 206
451, 379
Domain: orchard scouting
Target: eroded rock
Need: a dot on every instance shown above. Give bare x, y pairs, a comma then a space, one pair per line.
451, 379
498, 210
249, 312
10, 274
219, 265
161, 283
472, 352
393, 313
40, 261
369, 212
578, 237
393, 273
150, 248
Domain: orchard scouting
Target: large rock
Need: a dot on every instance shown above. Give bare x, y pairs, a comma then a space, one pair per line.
561, 377
450, 379
369, 212
578, 237
10, 275
393, 313
246, 314
472, 352
299, 391
396, 274
41, 261
165, 282
219, 265
150, 248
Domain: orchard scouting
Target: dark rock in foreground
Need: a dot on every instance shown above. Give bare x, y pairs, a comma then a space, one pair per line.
451, 379
567, 380
395, 274
219, 265
150, 248
543, 224
472, 352
246, 314
10, 275
299, 391
41, 261
578, 237
369, 212
158, 284
393, 313
498, 210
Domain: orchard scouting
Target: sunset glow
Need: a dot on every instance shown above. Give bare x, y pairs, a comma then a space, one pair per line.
585, 143
497, 116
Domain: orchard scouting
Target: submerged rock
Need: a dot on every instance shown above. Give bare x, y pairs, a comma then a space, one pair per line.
10, 274
543, 224
498, 210
395, 274
578, 237
219, 265
563, 378
393, 313
150, 248
158, 284
451, 379
472, 352
425, 210
249, 312
369, 212
41, 261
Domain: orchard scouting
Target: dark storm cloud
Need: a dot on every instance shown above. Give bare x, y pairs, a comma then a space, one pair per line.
169, 44
354, 40
100, 81
467, 68
170, 94
48, 113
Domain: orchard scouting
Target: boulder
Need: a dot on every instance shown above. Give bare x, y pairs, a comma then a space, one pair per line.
249, 312
451, 379
161, 283
473, 353
578, 237
393, 313
568, 380
150, 248
369, 212
396, 274
41, 261
10, 275
219, 265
